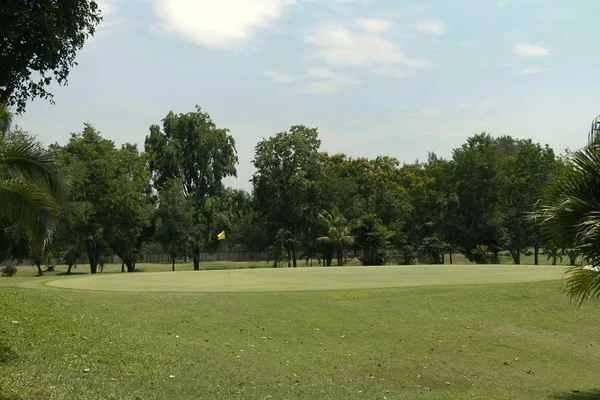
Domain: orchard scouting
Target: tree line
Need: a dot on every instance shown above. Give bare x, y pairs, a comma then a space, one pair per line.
304, 203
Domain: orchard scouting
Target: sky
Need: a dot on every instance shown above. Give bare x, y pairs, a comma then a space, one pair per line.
377, 77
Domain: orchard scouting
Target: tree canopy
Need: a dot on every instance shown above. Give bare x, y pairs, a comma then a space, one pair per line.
38, 44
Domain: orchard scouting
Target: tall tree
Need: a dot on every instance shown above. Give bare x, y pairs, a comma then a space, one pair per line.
127, 205
174, 220
478, 177
525, 175
38, 44
191, 148
287, 169
111, 204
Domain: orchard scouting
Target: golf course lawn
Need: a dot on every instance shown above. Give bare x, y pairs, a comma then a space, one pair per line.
448, 340
294, 279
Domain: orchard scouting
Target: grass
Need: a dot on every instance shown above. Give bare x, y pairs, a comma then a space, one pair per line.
492, 341
284, 279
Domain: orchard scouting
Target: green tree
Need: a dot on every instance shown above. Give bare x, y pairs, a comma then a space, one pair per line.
570, 217
288, 168
126, 205
336, 233
191, 148
174, 220
372, 240
525, 175
66, 243
38, 44
477, 172
110, 196
89, 159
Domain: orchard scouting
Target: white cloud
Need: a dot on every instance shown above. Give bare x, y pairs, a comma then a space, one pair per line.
391, 72
318, 80
222, 23
343, 46
374, 25
105, 7
534, 70
279, 77
332, 85
320, 73
486, 104
530, 50
433, 27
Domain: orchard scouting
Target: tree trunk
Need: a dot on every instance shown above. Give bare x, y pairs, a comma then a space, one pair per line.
516, 255
122, 266
289, 256
69, 269
93, 251
554, 260
130, 265
39, 268
173, 264
93, 266
536, 254
294, 254
196, 263
451, 256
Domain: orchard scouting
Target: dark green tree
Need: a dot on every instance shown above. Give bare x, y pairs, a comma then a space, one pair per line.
192, 149
372, 240
288, 168
38, 44
175, 219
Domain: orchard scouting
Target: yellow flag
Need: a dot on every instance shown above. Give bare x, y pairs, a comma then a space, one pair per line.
221, 236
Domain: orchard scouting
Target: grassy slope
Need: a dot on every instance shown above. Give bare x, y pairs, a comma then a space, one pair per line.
410, 343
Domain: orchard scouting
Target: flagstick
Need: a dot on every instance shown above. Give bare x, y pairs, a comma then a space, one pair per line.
227, 256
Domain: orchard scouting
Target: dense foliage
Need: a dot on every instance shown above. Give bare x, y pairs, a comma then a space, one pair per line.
38, 44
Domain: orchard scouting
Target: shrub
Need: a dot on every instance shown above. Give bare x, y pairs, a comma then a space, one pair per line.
9, 271
480, 254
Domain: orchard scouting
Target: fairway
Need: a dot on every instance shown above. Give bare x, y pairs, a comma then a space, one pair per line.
302, 279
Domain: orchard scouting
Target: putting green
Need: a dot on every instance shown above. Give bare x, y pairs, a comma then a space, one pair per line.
299, 279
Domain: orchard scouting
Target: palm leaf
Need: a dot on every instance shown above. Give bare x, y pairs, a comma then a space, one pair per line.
583, 283
34, 207
570, 218
30, 162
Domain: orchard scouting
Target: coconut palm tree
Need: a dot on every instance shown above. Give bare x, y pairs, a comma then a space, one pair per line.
31, 184
337, 232
570, 217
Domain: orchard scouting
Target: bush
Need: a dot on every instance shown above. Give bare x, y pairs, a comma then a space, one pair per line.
480, 254
9, 271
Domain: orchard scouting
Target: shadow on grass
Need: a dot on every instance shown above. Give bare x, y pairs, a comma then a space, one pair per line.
579, 395
7, 354
71, 273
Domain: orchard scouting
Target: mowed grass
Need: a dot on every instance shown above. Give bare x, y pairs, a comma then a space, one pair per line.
490, 341
293, 279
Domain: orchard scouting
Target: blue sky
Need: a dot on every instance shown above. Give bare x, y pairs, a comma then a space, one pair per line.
378, 77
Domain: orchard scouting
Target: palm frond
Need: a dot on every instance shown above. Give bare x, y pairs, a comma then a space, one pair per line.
570, 218
31, 205
30, 162
583, 283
